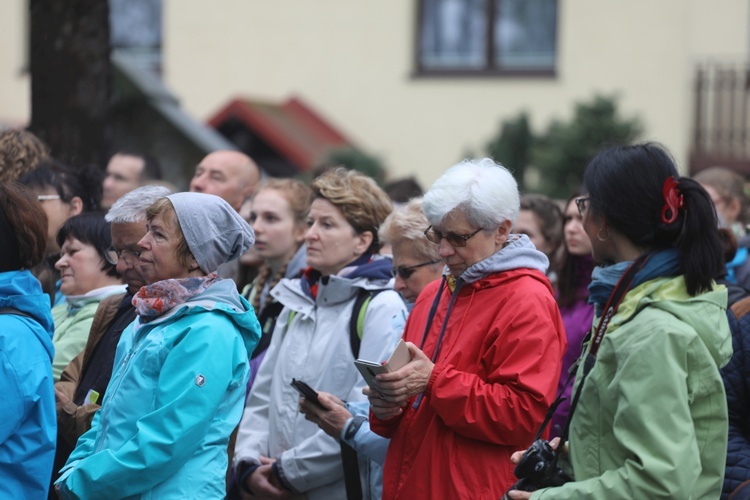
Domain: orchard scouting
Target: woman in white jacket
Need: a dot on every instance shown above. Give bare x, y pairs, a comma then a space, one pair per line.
278, 453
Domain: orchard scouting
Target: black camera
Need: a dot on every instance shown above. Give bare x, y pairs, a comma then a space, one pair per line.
538, 468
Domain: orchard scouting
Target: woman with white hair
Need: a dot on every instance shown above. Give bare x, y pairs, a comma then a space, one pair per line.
486, 344
178, 386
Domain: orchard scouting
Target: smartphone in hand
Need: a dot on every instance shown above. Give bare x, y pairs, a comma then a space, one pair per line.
307, 392
398, 358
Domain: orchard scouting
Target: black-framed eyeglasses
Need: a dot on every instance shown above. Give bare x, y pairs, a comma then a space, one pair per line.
406, 271
113, 255
581, 204
455, 240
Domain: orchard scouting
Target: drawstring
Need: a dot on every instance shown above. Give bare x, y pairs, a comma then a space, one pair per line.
433, 310
454, 295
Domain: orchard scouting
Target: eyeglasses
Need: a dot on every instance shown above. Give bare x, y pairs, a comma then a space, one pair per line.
581, 204
45, 197
455, 240
113, 255
406, 271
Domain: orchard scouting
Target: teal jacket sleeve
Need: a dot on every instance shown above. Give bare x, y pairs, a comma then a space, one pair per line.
174, 430
13, 408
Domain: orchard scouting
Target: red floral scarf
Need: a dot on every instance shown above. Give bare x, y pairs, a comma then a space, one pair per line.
155, 299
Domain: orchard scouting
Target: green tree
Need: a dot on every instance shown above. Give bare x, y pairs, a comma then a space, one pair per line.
560, 155
355, 159
512, 145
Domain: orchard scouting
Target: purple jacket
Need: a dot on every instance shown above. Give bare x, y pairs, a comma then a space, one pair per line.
577, 319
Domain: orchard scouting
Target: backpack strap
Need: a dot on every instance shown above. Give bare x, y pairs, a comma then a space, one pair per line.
357, 320
289, 320
11, 310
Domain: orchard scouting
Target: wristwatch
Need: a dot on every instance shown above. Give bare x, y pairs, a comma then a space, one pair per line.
354, 426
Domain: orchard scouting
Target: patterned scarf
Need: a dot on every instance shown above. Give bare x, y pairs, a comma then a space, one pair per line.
155, 299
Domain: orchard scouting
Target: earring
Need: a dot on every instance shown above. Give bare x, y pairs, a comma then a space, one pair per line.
599, 234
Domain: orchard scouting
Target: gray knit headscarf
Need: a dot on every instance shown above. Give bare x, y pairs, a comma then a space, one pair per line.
214, 231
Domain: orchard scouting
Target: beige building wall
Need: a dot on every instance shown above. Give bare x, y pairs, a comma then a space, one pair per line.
15, 91
353, 61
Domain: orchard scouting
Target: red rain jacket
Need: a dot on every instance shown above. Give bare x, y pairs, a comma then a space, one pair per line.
494, 378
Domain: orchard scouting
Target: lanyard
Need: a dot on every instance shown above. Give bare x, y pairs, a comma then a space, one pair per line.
615, 298
613, 302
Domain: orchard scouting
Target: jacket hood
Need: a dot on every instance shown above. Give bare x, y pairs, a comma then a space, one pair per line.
518, 252
670, 295
376, 267
374, 274
20, 290
220, 296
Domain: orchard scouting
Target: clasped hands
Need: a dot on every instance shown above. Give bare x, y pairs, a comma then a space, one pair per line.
394, 389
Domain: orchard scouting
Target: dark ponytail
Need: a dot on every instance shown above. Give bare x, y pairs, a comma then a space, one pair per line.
626, 185
701, 252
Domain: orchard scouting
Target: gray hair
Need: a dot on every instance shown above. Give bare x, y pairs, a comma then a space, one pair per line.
132, 206
484, 191
408, 223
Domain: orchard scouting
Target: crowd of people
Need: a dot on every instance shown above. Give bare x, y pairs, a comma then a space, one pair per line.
201, 344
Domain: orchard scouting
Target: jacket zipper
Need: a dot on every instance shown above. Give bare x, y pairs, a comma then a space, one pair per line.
131, 354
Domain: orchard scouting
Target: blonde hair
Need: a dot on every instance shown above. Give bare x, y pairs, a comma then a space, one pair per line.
408, 223
296, 193
363, 204
20, 152
729, 185
165, 209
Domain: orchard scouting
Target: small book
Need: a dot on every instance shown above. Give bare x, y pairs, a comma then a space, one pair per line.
369, 369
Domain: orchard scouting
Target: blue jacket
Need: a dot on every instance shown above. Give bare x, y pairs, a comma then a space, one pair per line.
176, 394
28, 425
736, 375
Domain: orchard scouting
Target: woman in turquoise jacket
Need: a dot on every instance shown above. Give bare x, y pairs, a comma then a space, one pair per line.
178, 387
651, 421
28, 426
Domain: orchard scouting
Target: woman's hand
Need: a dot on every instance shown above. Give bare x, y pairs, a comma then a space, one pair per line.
381, 408
331, 419
411, 379
519, 495
61, 398
554, 443
264, 484
516, 457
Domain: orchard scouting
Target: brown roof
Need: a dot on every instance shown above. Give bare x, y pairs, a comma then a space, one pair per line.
292, 128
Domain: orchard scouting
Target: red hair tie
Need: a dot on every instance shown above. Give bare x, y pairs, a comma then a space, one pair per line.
673, 201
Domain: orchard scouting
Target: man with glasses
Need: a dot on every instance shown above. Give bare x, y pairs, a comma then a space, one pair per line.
83, 383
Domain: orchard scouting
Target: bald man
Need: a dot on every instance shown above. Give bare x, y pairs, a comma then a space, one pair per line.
233, 176
230, 175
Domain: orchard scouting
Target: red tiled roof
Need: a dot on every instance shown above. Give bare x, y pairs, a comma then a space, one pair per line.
292, 128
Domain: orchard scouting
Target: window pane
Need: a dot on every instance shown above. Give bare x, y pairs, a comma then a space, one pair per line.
136, 31
525, 34
453, 34
135, 23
